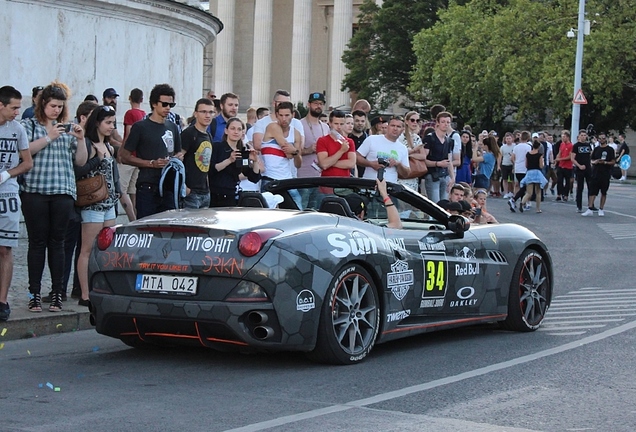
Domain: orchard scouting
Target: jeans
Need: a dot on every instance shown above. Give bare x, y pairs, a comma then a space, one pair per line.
563, 181
196, 200
582, 176
149, 201
436, 190
46, 218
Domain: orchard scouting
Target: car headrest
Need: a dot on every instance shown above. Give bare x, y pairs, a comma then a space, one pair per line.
337, 206
251, 199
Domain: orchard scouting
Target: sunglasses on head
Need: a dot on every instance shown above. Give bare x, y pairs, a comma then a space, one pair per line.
167, 104
107, 108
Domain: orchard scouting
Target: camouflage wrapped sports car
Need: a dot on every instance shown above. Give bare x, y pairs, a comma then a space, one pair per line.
318, 280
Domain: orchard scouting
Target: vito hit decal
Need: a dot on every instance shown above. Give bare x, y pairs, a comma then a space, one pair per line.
435, 279
399, 279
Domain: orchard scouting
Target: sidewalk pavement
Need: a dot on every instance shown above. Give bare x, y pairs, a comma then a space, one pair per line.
24, 324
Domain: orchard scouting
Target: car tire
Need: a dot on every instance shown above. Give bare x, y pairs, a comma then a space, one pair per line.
530, 293
350, 318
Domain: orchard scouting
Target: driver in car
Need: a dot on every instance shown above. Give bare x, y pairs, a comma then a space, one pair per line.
358, 205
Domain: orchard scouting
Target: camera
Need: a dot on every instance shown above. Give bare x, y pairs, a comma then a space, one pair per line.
68, 127
478, 211
384, 163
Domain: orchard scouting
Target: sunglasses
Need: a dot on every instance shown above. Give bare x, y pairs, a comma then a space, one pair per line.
107, 108
167, 104
412, 120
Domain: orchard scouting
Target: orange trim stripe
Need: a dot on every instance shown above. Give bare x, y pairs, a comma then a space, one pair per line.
439, 324
226, 341
172, 335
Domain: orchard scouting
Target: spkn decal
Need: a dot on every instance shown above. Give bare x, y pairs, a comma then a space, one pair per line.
399, 279
305, 301
354, 244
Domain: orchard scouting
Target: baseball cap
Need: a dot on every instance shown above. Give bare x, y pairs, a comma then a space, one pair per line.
317, 96
535, 135
376, 120
110, 92
356, 202
450, 206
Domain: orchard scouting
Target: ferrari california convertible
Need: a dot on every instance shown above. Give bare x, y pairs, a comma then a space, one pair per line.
316, 279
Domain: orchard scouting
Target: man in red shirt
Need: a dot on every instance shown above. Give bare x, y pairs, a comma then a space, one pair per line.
336, 153
128, 173
564, 167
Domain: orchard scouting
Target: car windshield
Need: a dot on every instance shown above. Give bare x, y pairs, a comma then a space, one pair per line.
317, 198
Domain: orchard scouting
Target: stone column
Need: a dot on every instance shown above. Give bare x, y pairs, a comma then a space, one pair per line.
301, 49
261, 64
224, 55
340, 35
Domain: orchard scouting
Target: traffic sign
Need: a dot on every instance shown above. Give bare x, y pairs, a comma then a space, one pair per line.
579, 98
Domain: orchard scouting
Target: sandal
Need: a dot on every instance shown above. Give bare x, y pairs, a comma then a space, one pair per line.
35, 303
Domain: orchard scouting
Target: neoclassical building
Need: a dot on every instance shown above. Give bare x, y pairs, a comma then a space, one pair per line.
295, 45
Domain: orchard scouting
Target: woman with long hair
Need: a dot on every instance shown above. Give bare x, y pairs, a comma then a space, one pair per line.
464, 173
485, 153
413, 143
228, 161
48, 191
534, 179
99, 127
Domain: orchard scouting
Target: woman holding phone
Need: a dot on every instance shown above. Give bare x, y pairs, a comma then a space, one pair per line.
48, 191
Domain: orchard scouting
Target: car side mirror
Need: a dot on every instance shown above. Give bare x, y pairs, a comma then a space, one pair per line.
458, 224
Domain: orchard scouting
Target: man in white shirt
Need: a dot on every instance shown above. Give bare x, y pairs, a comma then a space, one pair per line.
385, 147
519, 159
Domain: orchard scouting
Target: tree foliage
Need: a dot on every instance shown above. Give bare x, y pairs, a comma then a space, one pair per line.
380, 57
488, 59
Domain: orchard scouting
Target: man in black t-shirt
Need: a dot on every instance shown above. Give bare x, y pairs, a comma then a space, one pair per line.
581, 152
197, 145
602, 158
149, 146
359, 134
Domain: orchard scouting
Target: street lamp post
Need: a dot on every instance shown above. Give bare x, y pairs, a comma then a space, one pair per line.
578, 69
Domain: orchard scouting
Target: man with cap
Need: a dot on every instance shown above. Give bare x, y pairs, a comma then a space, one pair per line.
109, 98
30, 111
314, 129
358, 205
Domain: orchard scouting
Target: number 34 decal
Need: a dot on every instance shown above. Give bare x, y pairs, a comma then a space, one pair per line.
435, 275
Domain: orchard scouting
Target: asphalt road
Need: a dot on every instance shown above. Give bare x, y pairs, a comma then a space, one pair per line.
574, 374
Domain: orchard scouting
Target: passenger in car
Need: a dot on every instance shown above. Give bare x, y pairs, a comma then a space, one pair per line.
358, 205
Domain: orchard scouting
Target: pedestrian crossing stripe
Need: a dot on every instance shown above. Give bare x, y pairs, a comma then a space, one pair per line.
619, 231
588, 309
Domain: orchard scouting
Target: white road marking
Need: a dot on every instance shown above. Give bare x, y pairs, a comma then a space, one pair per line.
556, 321
383, 397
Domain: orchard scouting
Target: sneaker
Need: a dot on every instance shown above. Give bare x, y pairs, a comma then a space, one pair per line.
83, 302
594, 209
601, 212
558, 198
511, 204
551, 191
579, 210
56, 302
587, 212
521, 207
623, 179
527, 207
35, 303
47, 298
5, 311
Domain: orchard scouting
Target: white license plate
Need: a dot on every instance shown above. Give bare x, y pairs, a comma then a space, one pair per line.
166, 284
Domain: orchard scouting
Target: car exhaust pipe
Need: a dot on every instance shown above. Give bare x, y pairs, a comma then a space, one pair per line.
263, 332
257, 317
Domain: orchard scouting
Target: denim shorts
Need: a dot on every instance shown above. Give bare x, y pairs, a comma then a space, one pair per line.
95, 216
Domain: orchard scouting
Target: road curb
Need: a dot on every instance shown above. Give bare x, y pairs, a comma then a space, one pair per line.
49, 323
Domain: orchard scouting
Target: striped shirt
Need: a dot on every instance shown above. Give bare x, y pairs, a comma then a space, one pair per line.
52, 172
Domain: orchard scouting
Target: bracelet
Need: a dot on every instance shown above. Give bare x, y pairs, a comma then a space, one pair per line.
48, 139
389, 205
386, 199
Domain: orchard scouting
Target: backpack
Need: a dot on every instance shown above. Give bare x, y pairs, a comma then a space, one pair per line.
173, 174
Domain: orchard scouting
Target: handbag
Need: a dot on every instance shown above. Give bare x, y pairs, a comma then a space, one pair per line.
418, 169
91, 190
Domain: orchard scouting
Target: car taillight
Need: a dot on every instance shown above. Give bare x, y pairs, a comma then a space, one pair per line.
105, 237
251, 243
